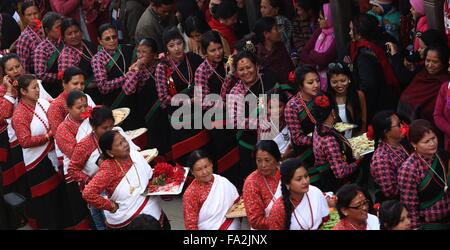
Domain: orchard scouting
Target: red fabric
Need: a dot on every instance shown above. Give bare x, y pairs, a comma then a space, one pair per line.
228, 160
388, 71
195, 142
226, 31
57, 112
83, 151
125, 223
421, 93
107, 178
46, 186
13, 174
193, 199
21, 122
66, 136
257, 197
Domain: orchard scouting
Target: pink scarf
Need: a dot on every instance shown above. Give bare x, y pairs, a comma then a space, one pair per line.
325, 38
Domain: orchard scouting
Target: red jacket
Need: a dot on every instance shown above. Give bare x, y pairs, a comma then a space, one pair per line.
224, 30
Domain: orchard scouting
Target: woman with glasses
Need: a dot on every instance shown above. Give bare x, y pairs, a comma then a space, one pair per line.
350, 101
31, 36
389, 134
209, 197
47, 52
334, 163
175, 75
111, 67
302, 206
353, 209
124, 174
78, 52
419, 98
423, 179
30, 122
320, 50
298, 115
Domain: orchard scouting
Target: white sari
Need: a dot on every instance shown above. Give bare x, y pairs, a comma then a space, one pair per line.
220, 199
131, 205
312, 202
33, 156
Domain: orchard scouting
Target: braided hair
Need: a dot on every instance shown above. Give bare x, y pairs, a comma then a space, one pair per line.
287, 170
322, 107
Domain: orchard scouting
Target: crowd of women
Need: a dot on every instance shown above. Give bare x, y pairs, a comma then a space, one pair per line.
65, 67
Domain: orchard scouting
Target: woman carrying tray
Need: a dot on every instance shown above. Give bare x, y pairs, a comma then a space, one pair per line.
124, 175
389, 155
306, 203
334, 161
209, 197
262, 187
299, 119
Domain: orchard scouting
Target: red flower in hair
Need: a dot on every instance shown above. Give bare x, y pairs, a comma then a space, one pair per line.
404, 129
376, 207
322, 101
292, 77
37, 24
370, 133
87, 113
60, 75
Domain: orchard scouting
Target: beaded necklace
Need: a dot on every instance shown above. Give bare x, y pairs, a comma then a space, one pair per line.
38, 116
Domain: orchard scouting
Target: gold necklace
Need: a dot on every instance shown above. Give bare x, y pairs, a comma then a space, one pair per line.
132, 188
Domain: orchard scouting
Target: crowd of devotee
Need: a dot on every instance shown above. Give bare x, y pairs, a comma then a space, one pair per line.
261, 112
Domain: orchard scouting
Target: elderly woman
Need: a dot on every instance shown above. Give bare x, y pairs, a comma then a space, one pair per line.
299, 119
244, 115
47, 52
389, 133
31, 36
209, 197
175, 75
78, 53
423, 179
124, 175
320, 50
442, 112
73, 79
306, 203
334, 161
353, 208
262, 187
30, 122
419, 98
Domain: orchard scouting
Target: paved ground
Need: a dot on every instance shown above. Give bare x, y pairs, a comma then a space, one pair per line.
174, 211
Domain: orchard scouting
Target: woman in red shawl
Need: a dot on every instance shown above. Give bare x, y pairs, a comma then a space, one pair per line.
419, 98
